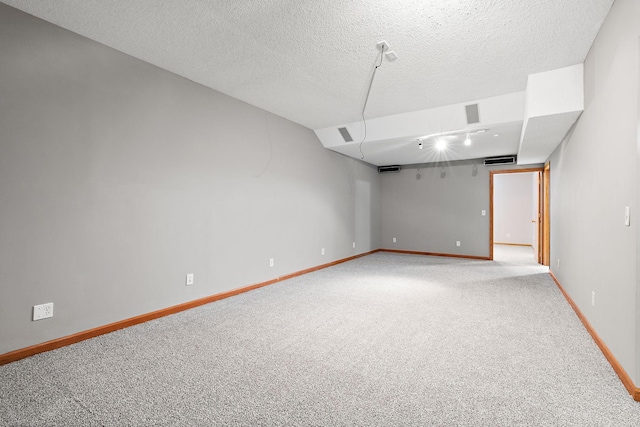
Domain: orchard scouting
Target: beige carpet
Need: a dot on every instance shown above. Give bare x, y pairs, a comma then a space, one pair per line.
383, 340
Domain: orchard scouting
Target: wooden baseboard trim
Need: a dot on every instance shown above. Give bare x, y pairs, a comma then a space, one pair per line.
111, 327
513, 244
397, 251
619, 370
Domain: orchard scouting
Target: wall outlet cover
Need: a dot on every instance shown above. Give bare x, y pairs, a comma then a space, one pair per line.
627, 216
42, 311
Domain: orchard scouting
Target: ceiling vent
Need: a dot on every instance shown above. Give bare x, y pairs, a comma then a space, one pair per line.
388, 169
472, 114
503, 160
345, 134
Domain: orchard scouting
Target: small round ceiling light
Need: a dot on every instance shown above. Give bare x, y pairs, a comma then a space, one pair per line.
441, 144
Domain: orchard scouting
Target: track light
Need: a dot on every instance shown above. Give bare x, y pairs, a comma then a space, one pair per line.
467, 141
441, 144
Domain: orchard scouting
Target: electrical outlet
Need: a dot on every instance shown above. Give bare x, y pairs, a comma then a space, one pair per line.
322, 251
42, 311
270, 262
558, 262
189, 279
394, 240
484, 213
457, 242
354, 245
593, 298
47, 310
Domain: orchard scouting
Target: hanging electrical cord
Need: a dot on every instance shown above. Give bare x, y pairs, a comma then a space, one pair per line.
366, 99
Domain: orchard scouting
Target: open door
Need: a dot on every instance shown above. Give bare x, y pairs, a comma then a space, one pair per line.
545, 243
540, 217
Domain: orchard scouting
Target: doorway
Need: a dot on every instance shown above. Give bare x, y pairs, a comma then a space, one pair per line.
519, 213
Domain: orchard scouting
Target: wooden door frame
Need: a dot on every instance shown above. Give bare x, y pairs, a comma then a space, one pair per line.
540, 210
539, 213
545, 232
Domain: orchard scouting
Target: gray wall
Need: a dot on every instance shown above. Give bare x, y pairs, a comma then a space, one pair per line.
593, 177
444, 206
513, 207
118, 178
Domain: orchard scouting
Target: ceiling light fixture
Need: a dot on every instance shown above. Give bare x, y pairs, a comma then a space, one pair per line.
419, 144
455, 133
467, 141
441, 144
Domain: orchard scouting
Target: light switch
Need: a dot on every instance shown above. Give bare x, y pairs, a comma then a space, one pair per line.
627, 216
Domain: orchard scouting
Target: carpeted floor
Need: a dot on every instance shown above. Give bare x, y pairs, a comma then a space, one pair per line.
384, 340
516, 256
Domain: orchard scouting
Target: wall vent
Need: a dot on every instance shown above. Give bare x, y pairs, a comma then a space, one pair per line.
388, 169
502, 160
345, 134
472, 114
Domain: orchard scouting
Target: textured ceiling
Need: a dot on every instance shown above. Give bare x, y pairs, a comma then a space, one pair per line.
310, 61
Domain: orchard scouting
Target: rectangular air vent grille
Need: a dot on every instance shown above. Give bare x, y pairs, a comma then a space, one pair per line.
473, 116
388, 169
345, 134
503, 160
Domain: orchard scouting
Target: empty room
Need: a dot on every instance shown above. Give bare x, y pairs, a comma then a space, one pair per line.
319, 213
